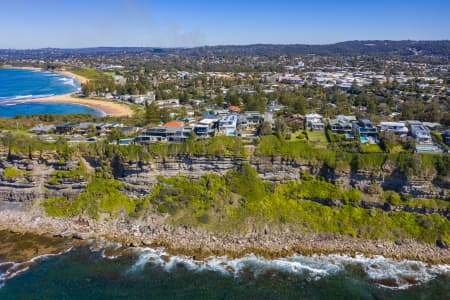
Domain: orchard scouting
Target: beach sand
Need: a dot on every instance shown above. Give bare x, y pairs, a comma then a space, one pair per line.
107, 107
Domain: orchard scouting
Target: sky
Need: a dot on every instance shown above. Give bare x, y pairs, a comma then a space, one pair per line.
28, 24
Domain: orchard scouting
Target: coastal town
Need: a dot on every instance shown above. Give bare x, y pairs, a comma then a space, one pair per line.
370, 104
224, 150
350, 138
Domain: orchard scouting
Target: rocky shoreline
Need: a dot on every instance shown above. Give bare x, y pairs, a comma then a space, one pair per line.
200, 243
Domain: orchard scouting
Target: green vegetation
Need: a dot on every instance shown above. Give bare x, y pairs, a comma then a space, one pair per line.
319, 189
89, 73
190, 201
59, 176
317, 137
101, 196
402, 200
241, 197
223, 146
11, 172
371, 148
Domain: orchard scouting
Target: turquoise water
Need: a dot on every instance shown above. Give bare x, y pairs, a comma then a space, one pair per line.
19, 84
153, 274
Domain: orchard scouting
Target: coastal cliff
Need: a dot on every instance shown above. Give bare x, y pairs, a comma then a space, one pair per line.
168, 214
141, 176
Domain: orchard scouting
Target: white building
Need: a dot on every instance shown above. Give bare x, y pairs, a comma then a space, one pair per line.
395, 127
227, 125
314, 121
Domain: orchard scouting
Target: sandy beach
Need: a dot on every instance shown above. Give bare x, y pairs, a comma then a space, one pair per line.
107, 107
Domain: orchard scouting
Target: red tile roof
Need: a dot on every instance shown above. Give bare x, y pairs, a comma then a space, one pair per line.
234, 108
174, 124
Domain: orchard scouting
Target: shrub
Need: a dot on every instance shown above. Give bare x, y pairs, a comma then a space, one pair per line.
11, 172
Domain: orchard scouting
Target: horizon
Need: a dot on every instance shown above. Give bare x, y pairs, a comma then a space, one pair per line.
221, 45
155, 24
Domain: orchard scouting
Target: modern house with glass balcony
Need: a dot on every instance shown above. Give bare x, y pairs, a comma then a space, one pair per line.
227, 125
398, 128
165, 134
365, 130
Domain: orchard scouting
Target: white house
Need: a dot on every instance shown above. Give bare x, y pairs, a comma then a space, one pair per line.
314, 122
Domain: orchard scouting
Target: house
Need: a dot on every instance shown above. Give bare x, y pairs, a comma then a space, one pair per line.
234, 109
446, 137
42, 129
65, 128
169, 103
253, 118
294, 121
314, 122
129, 130
174, 124
421, 134
205, 127
365, 130
125, 142
242, 121
164, 134
84, 127
227, 125
398, 128
342, 125
105, 128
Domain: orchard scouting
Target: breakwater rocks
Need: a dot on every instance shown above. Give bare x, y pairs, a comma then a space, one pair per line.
199, 242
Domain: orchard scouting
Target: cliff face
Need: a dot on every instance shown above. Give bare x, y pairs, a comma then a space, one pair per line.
32, 181
143, 174
140, 176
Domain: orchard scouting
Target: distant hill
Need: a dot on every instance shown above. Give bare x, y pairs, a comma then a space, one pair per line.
349, 48
401, 48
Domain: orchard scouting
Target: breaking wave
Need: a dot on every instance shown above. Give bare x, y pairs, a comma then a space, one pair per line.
378, 270
68, 81
25, 97
9, 270
384, 272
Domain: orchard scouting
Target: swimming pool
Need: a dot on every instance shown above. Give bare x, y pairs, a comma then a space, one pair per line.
364, 139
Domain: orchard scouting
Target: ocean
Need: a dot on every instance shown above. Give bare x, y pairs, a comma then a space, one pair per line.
21, 84
146, 273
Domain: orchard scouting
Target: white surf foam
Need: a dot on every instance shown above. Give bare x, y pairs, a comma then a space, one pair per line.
68, 81
18, 268
384, 272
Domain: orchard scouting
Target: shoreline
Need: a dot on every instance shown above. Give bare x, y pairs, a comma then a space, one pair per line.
105, 108
79, 78
201, 243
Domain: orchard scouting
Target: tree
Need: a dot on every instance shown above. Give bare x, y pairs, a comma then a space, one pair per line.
233, 98
152, 113
115, 134
264, 128
299, 106
280, 128
9, 141
219, 99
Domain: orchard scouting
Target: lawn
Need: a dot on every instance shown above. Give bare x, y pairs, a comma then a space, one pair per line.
317, 137
89, 73
298, 136
371, 148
